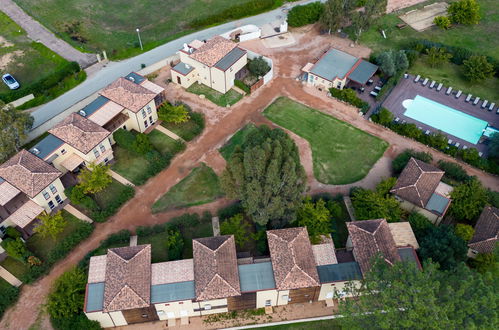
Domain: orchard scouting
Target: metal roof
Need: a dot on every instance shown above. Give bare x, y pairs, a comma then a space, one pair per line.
95, 297
95, 105
255, 277
437, 203
363, 72
172, 292
407, 254
46, 146
183, 68
334, 63
228, 60
135, 77
345, 271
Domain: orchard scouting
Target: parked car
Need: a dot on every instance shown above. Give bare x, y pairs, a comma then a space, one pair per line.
10, 81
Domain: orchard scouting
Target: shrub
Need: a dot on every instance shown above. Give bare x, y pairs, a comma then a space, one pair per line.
124, 195
453, 171
419, 224
374, 205
464, 231
230, 211
477, 68
258, 66
242, 86
306, 14
464, 12
124, 139
16, 249
390, 84
67, 295
120, 238
186, 220
402, 159
383, 117
78, 197
76, 322
484, 262
174, 244
176, 114
470, 156
442, 22
12, 233
9, 296
349, 96
142, 145
94, 178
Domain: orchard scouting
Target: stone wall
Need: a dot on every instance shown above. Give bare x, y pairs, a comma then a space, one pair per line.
394, 5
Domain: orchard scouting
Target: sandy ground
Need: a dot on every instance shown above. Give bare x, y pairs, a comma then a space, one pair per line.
222, 123
422, 19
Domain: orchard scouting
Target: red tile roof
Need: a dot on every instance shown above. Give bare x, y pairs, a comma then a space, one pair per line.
417, 182
486, 230
130, 95
28, 173
292, 258
370, 237
215, 268
213, 50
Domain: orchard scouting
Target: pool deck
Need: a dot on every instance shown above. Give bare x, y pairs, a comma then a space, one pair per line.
408, 89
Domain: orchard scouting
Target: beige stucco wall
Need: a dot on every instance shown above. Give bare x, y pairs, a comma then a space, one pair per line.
435, 219
40, 200
185, 81
136, 121
262, 296
280, 297
103, 318
214, 303
321, 82
118, 318
230, 74
393, 5
176, 308
334, 288
203, 74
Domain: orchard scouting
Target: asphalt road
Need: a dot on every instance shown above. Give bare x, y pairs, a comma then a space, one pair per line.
117, 69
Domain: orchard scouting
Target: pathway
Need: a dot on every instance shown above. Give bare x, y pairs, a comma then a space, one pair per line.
168, 132
71, 209
39, 33
120, 178
220, 124
6, 275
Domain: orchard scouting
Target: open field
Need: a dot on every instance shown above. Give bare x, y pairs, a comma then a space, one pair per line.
341, 153
481, 38
110, 24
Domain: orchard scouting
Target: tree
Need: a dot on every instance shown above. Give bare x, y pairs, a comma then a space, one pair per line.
442, 22
441, 245
267, 176
468, 200
50, 225
175, 244
316, 217
94, 178
176, 114
464, 231
494, 146
258, 66
403, 297
67, 295
401, 61
477, 68
238, 227
486, 262
437, 56
373, 205
332, 15
16, 249
383, 188
383, 117
403, 158
362, 20
419, 224
464, 12
142, 145
14, 124
305, 14
386, 63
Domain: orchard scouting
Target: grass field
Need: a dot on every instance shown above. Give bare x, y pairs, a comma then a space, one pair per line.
481, 38
110, 24
201, 186
229, 98
15, 267
236, 140
341, 153
162, 142
108, 195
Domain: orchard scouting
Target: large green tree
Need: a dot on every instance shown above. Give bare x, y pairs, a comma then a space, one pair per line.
236, 226
267, 176
464, 12
68, 294
94, 178
334, 14
363, 19
442, 245
403, 297
477, 68
50, 225
176, 114
316, 217
494, 146
468, 200
437, 56
14, 125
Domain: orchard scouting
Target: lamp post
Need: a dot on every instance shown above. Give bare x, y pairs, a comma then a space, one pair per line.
140, 41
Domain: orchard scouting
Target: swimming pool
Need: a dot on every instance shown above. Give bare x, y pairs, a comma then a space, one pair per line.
446, 119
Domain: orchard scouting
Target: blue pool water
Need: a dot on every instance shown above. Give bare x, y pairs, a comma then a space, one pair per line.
446, 119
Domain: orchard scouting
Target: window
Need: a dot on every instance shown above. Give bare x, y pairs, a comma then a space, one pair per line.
143, 113
106, 160
144, 316
53, 189
102, 148
268, 303
231, 69
180, 303
149, 110
150, 120
46, 195
207, 307
124, 127
63, 151
146, 124
58, 199
96, 153
3, 230
51, 205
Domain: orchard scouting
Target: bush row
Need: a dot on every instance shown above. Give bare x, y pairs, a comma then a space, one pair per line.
42, 85
242, 86
390, 84
349, 96
306, 14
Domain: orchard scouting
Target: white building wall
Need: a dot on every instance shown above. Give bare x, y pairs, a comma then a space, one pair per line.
214, 304
283, 297
136, 121
230, 74
40, 200
174, 309
118, 318
331, 290
103, 318
263, 296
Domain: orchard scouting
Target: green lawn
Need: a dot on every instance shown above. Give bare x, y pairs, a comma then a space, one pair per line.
15, 267
189, 129
481, 38
452, 75
108, 195
159, 251
316, 325
110, 25
162, 142
129, 164
201, 186
42, 247
236, 140
229, 98
341, 153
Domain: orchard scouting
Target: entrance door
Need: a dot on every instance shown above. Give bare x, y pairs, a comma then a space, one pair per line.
179, 81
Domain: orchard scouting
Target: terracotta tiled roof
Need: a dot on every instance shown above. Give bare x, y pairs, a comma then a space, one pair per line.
79, 132
28, 173
128, 94
215, 267
128, 278
486, 230
370, 237
172, 271
417, 182
403, 235
7, 192
292, 258
324, 253
213, 50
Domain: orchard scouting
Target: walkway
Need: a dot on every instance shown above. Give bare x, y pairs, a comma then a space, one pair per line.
71, 209
120, 178
221, 123
6, 275
39, 33
167, 132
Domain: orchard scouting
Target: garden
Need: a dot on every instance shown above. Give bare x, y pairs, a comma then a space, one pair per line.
187, 129
201, 186
223, 100
341, 153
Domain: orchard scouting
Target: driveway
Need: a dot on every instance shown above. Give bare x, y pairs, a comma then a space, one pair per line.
221, 124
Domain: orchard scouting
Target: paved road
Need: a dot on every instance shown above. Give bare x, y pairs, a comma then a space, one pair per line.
118, 69
38, 32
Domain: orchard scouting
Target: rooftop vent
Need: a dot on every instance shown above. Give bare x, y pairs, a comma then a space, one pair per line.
82, 113
132, 79
186, 48
35, 151
187, 66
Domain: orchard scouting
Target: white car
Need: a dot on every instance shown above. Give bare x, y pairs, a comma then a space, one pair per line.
10, 81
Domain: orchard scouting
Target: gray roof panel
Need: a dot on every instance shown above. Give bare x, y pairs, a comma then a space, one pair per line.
228, 60
256, 277
95, 105
134, 77
437, 203
46, 146
95, 297
345, 271
172, 292
408, 255
363, 72
183, 68
334, 63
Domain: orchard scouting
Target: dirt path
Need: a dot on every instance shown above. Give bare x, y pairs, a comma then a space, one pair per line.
222, 123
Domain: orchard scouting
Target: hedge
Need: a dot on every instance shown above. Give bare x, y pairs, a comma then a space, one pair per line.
242, 86
9, 296
127, 193
399, 163
306, 14
390, 84
40, 86
453, 171
349, 96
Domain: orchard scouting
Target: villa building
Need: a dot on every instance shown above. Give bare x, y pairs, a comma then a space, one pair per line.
484, 239
337, 69
28, 187
215, 63
419, 189
124, 287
